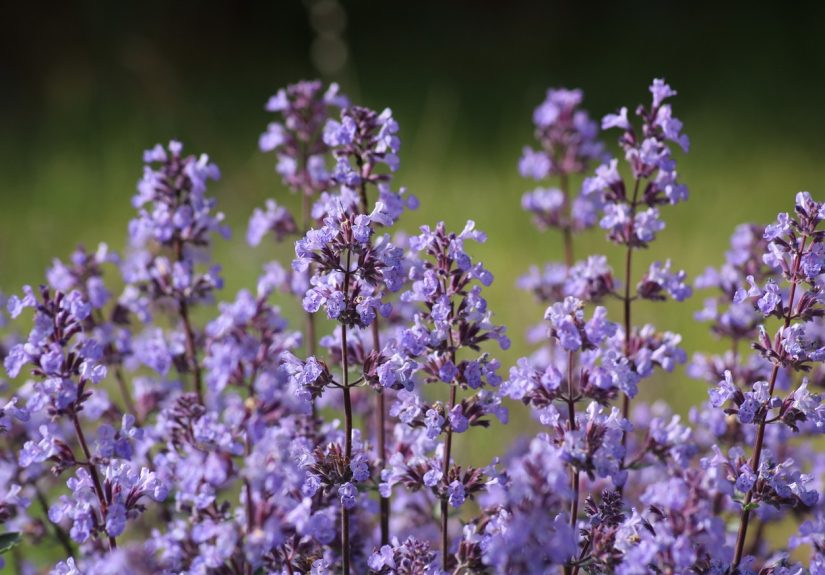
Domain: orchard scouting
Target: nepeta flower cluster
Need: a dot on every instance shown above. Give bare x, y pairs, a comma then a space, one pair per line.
151, 424
568, 144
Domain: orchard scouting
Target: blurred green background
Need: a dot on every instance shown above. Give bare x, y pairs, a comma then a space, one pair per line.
86, 87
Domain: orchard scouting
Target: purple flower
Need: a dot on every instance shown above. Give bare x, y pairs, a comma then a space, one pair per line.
661, 91
432, 477
434, 422
303, 109
15, 360
264, 468
360, 468
456, 494
566, 134
770, 299
724, 391
570, 328
447, 372
458, 421
348, 495
276, 219
659, 280
362, 141
384, 557
534, 165
616, 120
347, 285
746, 479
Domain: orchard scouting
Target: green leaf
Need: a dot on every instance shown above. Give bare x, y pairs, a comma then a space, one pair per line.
751, 506
9, 540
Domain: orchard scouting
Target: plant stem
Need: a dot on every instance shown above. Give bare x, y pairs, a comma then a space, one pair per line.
191, 349
308, 317
567, 231
448, 444
380, 402
574, 473
582, 555
381, 430
567, 236
347, 449
760, 433
345, 546
445, 504
101, 497
250, 507
248, 445
628, 270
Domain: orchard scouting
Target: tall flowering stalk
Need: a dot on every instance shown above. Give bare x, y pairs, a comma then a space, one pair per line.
630, 212
362, 142
591, 442
349, 272
84, 272
568, 143
455, 320
303, 164
607, 368
305, 142
737, 322
169, 236
106, 486
795, 251
246, 344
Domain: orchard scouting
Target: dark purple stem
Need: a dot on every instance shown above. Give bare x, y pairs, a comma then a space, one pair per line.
81, 438
567, 231
191, 349
760, 434
380, 402
345, 544
448, 443
574, 473
628, 269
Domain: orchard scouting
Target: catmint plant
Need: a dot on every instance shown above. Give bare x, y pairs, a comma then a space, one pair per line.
359, 142
169, 239
568, 144
107, 487
349, 274
455, 321
794, 251
630, 214
593, 359
365, 145
241, 446
303, 164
